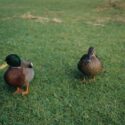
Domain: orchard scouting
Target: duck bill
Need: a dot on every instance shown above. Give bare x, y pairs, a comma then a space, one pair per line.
3, 66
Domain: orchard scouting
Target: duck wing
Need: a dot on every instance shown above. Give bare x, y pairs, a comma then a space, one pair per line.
83, 60
28, 70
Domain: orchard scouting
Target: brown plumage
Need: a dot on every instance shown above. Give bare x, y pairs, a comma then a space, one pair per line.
89, 64
15, 76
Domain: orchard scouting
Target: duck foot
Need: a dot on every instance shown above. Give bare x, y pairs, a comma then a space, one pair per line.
88, 80
92, 80
18, 91
26, 92
83, 80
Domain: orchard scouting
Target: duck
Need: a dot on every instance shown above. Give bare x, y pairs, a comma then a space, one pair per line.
19, 73
89, 64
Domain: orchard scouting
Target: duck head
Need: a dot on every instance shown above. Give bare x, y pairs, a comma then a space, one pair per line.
13, 60
91, 51
90, 54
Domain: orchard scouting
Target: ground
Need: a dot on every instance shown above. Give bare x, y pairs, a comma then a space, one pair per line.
54, 34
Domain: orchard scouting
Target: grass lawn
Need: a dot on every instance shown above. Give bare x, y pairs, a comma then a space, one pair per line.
54, 34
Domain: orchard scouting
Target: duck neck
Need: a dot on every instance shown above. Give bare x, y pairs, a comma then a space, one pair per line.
91, 55
15, 67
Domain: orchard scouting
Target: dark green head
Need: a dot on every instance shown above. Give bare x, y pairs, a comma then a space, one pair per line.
13, 60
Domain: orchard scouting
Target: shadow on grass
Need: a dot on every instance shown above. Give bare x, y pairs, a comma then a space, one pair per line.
8, 89
5, 88
76, 74
76, 77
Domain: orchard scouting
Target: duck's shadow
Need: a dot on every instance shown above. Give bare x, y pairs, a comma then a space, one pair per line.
8, 89
80, 77
5, 87
77, 75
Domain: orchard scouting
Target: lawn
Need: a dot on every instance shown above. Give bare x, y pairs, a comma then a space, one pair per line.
54, 34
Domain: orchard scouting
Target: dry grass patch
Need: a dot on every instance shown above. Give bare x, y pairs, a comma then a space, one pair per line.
118, 19
102, 21
106, 6
29, 16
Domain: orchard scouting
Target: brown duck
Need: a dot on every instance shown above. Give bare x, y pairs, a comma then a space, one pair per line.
89, 64
19, 73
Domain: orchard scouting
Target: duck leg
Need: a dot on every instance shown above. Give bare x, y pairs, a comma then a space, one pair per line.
27, 89
92, 79
18, 91
83, 80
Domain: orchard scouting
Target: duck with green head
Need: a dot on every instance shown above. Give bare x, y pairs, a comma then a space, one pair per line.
19, 73
89, 64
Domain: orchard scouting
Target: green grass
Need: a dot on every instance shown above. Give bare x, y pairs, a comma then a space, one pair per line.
57, 96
